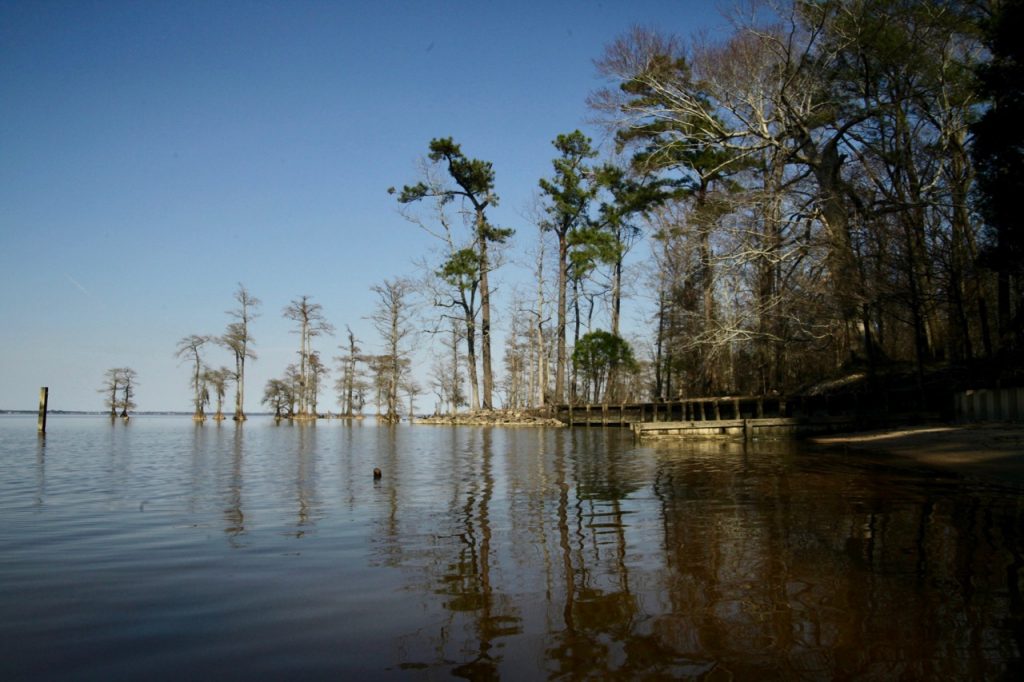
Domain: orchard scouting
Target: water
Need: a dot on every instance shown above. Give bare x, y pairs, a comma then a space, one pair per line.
163, 550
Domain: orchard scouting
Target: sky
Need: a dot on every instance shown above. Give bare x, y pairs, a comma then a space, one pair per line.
153, 155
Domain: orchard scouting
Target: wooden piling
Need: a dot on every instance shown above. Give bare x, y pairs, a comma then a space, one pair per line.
44, 398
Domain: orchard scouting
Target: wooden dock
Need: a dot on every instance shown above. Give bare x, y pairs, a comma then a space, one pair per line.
743, 429
731, 417
692, 409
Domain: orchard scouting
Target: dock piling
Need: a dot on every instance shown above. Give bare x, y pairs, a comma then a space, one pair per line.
44, 398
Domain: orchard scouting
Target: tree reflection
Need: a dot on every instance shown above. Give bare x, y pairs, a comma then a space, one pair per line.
598, 609
467, 581
823, 573
234, 516
305, 476
598, 559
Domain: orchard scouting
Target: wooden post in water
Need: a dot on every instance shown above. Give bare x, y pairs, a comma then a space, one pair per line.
44, 397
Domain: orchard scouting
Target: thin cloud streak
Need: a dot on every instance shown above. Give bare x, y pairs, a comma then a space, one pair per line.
75, 282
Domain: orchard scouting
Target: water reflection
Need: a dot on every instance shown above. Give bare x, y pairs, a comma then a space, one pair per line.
234, 515
822, 575
489, 554
305, 476
40, 471
717, 559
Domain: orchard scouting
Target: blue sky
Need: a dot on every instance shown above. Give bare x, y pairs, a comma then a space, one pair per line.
154, 154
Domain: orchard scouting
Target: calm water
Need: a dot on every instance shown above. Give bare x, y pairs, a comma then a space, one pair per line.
159, 549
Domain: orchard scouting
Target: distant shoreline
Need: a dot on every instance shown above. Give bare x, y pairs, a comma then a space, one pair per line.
103, 413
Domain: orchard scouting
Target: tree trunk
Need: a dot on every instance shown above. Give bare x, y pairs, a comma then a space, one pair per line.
658, 345
575, 335
240, 387
303, 342
453, 392
616, 294
826, 166
708, 360
560, 354
485, 315
540, 365
474, 382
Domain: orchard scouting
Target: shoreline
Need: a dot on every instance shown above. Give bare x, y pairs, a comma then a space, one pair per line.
490, 418
992, 450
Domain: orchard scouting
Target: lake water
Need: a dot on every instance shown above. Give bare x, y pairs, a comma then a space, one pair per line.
159, 549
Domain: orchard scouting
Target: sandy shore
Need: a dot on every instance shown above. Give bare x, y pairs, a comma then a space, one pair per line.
994, 450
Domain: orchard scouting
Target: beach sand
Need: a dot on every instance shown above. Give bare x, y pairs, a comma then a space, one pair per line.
990, 450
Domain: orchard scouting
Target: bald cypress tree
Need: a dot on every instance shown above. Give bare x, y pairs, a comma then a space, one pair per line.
188, 350
238, 339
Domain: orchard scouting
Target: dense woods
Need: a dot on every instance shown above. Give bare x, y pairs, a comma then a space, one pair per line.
822, 215
826, 190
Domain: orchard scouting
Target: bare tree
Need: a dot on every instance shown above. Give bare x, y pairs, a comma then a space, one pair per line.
278, 395
218, 380
446, 371
238, 340
312, 323
519, 366
349, 383
128, 383
391, 320
317, 372
111, 385
189, 350
411, 388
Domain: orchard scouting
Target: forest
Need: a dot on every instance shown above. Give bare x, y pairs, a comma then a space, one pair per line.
826, 191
